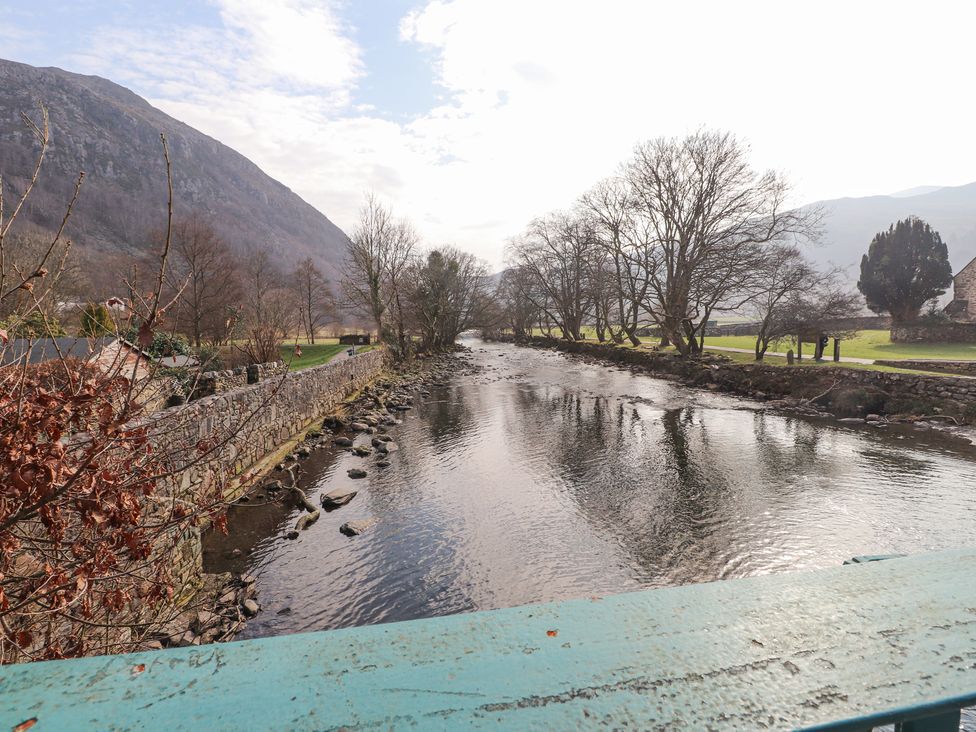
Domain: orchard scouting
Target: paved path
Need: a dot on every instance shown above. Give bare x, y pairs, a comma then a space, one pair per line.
844, 359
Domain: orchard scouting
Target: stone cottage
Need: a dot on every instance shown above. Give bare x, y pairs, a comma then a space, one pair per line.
963, 305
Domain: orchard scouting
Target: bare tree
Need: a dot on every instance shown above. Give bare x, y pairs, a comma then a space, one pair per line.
268, 312
376, 258
314, 297
711, 216
447, 294
624, 242
206, 277
556, 254
366, 261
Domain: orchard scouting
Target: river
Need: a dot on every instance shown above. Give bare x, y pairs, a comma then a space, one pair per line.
541, 476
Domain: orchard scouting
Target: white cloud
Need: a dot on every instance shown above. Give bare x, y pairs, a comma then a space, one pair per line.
545, 97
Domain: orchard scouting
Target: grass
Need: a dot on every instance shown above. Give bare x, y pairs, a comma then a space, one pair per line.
873, 344
810, 363
323, 351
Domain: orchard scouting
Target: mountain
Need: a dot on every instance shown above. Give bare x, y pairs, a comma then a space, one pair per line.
113, 135
851, 223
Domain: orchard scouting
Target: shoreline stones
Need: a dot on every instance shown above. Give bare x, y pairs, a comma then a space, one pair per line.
338, 497
355, 528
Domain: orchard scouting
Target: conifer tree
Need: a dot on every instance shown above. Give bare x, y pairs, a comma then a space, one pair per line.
905, 267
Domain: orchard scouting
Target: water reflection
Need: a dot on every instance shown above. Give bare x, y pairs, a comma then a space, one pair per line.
542, 477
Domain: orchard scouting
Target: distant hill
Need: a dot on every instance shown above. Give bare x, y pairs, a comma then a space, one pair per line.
113, 135
851, 223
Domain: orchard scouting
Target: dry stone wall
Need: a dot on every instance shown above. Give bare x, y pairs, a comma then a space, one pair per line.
249, 423
922, 332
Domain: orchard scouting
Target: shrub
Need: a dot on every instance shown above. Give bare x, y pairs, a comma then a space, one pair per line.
96, 321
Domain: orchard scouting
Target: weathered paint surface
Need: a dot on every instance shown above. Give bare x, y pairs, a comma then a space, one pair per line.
780, 651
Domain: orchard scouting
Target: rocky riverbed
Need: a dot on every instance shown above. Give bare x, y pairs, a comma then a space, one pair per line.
228, 600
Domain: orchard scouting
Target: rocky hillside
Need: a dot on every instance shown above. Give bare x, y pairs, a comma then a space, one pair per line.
113, 135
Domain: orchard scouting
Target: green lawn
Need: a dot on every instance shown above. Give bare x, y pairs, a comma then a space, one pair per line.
809, 363
320, 353
875, 344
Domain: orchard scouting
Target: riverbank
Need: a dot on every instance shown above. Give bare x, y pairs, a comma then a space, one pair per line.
841, 392
229, 598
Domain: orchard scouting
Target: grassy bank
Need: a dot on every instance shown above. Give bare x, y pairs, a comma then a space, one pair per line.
874, 344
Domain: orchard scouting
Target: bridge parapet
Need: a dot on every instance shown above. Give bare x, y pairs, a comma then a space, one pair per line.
845, 648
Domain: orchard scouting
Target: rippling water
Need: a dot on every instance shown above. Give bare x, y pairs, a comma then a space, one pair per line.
543, 477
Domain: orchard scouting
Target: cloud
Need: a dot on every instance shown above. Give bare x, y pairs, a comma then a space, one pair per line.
543, 98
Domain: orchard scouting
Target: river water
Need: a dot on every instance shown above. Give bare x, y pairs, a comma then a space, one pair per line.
542, 477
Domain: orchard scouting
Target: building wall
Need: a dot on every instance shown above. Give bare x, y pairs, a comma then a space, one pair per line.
964, 291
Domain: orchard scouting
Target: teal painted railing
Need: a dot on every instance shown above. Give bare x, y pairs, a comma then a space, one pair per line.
845, 648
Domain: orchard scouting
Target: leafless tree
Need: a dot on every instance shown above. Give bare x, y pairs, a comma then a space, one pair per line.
556, 254
268, 312
206, 277
446, 293
313, 295
626, 246
376, 258
518, 311
711, 216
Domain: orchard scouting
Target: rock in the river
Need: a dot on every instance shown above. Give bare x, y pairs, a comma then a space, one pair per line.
338, 497
388, 447
250, 608
356, 473
292, 535
334, 423
380, 438
359, 426
361, 450
342, 442
355, 528
383, 463
204, 620
303, 451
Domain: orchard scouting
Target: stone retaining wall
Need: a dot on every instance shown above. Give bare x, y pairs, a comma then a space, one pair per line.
844, 391
942, 366
934, 333
258, 419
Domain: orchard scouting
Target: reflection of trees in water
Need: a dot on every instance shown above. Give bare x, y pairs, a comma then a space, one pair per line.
789, 446
646, 483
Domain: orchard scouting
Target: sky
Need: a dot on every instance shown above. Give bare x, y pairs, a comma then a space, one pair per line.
471, 117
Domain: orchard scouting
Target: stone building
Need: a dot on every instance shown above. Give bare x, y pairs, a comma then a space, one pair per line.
963, 305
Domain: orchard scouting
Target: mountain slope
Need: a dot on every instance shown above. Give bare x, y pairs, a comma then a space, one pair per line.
851, 223
113, 135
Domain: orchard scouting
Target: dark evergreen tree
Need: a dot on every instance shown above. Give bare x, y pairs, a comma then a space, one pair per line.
905, 267
96, 321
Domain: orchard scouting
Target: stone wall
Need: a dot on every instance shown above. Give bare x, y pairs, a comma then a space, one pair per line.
217, 382
844, 391
926, 332
249, 423
947, 367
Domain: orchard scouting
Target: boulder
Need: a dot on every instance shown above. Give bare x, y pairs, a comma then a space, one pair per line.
250, 608
359, 426
383, 463
342, 442
355, 528
387, 447
338, 497
356, 473
203, 621
362, 450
